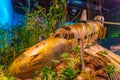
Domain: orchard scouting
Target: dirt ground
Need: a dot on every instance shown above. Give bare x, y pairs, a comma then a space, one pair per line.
96, 66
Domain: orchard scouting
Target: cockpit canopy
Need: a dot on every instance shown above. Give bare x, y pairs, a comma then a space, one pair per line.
64, 33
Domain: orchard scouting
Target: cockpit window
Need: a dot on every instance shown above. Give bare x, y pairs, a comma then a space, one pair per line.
59, 35
71, 36
66, 36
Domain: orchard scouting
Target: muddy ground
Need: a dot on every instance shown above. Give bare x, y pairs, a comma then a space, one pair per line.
96, 68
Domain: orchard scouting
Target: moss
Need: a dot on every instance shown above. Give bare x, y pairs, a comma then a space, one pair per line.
86, 75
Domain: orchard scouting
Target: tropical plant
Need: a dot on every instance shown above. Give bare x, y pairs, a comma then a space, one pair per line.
6, 52
68, 74
56, 9
48, 74
76, 49
2, 75
112, 71
39, 24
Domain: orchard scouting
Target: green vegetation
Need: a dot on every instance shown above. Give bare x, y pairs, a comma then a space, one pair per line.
64, 56
48, 74
6, 52
86, 75
39, 24
112, 71
103, 52
2, 75
68, 74
76, 49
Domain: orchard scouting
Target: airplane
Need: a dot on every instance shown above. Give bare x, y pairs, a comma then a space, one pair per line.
63, 40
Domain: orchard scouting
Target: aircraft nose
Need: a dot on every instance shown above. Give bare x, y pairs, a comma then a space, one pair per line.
13, 69
19, 65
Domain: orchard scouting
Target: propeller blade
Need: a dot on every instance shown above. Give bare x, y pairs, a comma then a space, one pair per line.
112, 23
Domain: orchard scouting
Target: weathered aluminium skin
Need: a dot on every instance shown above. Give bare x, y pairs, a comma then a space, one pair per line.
63, 40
